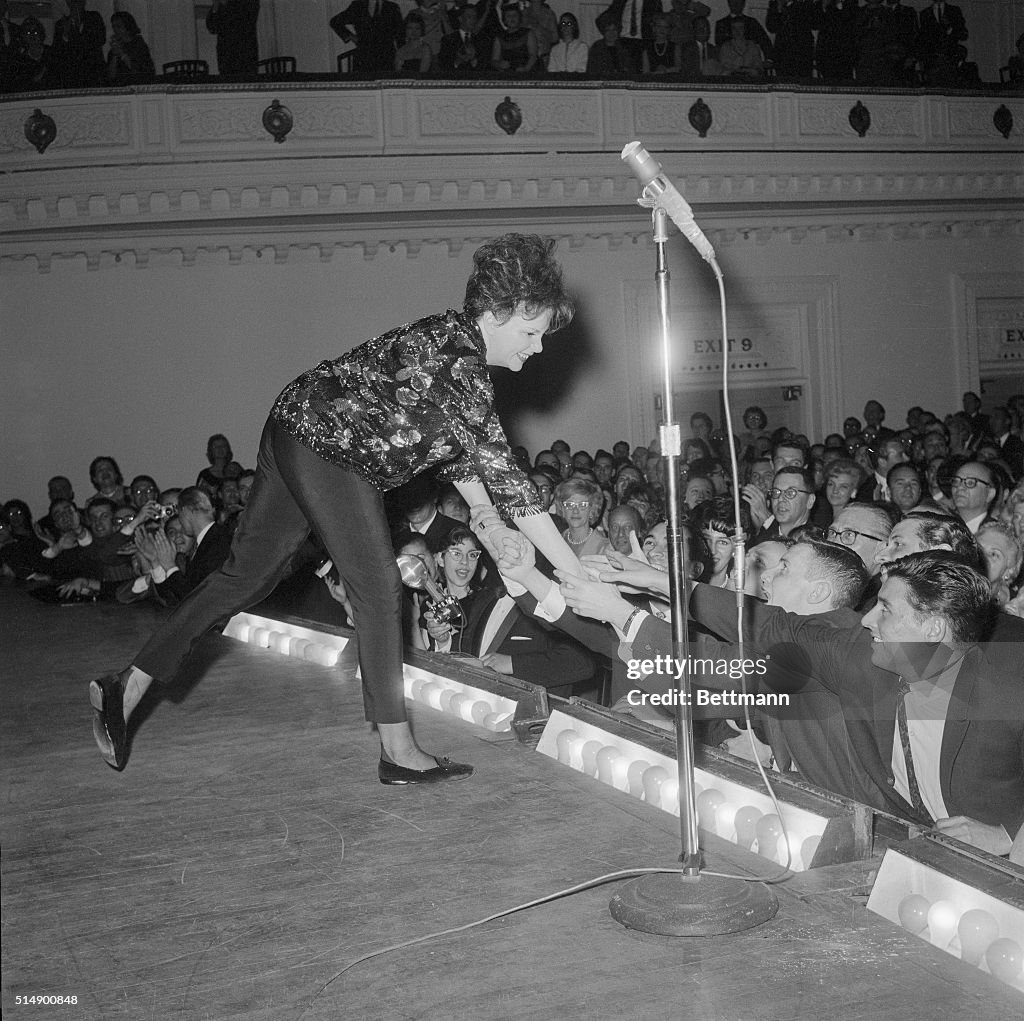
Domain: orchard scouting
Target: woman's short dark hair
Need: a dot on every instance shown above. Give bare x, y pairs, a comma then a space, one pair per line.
209, 447
518, 272
131, 26
459, 534
415, 18
570, 19
94, 464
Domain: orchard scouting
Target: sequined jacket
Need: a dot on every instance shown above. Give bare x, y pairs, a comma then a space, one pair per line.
413, 398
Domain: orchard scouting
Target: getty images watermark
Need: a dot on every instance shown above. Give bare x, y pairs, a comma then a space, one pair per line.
701, 671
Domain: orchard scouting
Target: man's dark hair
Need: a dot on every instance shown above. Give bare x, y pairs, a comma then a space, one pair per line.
936, 530
842, 567
939, 584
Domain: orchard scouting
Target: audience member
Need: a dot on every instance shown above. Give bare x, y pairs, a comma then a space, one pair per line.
106, 476
941, 32
700, 60
466, 52
375, 26
739, 55
835, 48
610, 57
793, 24
975, 488
755, 30
569, 54
514, 49
792, 498
683, 16
33, 64
904, 484
78, 40
233, 22
580, 503
541, 20
660, 55
129, 61
213, 543
413, 58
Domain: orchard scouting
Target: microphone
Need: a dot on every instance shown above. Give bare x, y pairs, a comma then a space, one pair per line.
444, 606
660, 192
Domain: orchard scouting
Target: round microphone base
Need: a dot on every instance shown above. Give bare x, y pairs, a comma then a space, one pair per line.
669, 904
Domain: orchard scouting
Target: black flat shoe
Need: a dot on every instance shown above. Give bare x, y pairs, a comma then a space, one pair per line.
108, 726
393, 775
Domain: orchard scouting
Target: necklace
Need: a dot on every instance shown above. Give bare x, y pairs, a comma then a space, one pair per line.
577, 542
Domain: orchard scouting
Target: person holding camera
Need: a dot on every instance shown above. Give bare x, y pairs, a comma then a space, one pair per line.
212, 545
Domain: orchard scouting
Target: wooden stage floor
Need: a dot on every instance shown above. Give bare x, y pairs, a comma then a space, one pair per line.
248, 853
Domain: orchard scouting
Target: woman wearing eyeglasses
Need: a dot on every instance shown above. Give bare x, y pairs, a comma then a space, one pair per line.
581, 502
569, 54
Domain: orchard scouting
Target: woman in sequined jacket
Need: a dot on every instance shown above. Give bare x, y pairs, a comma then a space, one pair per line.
341, 434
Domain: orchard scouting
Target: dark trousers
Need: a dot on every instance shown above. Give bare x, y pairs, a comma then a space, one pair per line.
295, 490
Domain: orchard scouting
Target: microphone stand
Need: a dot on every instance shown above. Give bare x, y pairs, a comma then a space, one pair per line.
687, 902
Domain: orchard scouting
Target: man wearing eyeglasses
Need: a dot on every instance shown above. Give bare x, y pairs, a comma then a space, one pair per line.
975, 489
792, 497
865, 529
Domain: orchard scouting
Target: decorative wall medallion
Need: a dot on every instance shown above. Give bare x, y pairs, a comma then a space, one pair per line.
277, 119
700, 118
1003, 120
860, 118
40, 130
508, 116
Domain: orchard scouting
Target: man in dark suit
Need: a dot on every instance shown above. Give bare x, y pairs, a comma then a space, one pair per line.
634, 19
78, 41
699, 57
755, 30
376, 28
509, 641
941, 32
465, 52
1011, 446
233, 22
965, 769
793, 23
213, 543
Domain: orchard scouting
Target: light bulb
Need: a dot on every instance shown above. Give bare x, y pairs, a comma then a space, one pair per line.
942, 919
502, 723
280, 642
329, 655
589, 755
564, 745
769, 830
607, 756
239, 631
913, 913
746, 825
808, 849
460, 700
446, 698
299, 647
654, 777
481, 710
260, 636
1005, 960
670, 795
977, 930
708, 804
490, 721
431, 694
635, 777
